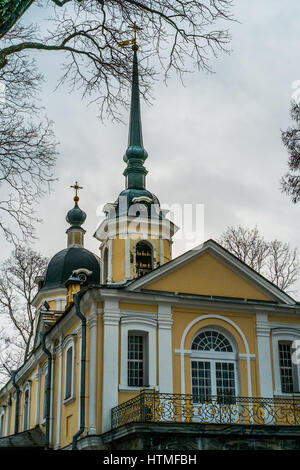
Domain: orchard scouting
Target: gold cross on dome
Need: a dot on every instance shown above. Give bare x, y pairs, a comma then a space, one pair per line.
76, 187
132, 41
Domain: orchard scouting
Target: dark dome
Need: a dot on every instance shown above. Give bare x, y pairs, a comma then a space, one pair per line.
62, 265
76, 216
138, 194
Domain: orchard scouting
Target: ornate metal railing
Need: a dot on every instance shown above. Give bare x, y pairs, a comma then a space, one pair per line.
177, 408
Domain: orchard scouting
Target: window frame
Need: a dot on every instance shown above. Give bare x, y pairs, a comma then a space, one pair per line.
44, 410
69, 343
27, 389
145, 358
214, 357
2, 422
140, 326
284, 335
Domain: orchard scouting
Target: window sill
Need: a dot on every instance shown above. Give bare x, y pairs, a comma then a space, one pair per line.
127, 388
69, 400
286, 395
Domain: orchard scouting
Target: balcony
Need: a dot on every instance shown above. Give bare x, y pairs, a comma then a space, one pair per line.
154, 407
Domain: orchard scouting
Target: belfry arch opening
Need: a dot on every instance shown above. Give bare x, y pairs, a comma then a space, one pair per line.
105, 265
143, 258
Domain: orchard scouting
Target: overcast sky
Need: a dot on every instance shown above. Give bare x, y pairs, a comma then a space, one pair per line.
215, 141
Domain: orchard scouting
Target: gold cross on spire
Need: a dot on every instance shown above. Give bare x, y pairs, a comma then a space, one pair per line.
132, 41
76, 187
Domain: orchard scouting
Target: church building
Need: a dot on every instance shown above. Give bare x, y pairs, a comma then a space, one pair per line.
135, 349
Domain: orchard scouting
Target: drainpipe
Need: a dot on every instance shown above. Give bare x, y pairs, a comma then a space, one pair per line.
13, 377
48, 389
76, 300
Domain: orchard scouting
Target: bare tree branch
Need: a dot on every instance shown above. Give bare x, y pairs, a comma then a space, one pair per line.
290, 183
17, 290
275, 260
182, 35
27, 149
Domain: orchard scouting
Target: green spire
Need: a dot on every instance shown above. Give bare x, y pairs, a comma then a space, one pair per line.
135, 154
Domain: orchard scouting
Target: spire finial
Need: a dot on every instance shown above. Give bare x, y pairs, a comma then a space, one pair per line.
135, 47
76, 187
135, 154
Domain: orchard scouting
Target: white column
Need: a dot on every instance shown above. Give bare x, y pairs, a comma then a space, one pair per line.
59, 394
51, 396
264, 356
79, 336
111, 319
165, 367
92, 321
37, 399
161, 252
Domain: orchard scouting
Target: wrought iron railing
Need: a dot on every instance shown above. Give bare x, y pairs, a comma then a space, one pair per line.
176, 408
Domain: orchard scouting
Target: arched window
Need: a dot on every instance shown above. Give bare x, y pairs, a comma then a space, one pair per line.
2, 423
213, 368
211, 341
26, 408
143, 258
69, 354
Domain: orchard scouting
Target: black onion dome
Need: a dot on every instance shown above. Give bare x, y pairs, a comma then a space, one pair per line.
62, 265
132, 197
76, 216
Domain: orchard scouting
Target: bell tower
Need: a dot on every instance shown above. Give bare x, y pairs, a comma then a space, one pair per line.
135, 235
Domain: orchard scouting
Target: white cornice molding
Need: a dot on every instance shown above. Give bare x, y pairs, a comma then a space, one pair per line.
141, 320
195, 303
286, 329
108, 228
41, 295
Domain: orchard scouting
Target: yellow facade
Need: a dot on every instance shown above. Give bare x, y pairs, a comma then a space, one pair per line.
200, 293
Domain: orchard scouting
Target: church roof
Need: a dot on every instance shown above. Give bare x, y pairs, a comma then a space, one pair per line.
65, 262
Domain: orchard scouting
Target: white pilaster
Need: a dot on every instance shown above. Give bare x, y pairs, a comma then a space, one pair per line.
111, 319
264, 357
165, 366
37, 399
92, 321
161, 252
59, 394
8, 418
51, 396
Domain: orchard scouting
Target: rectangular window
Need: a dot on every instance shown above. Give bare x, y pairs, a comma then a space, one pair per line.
26, 410
2, 425
225, 382
201, 381
69, 372
286, 367
136, 360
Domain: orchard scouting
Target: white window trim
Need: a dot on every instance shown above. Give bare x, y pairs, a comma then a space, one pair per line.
144, 326
69, 342
44, 371
2, 415
26, 387
278, 335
